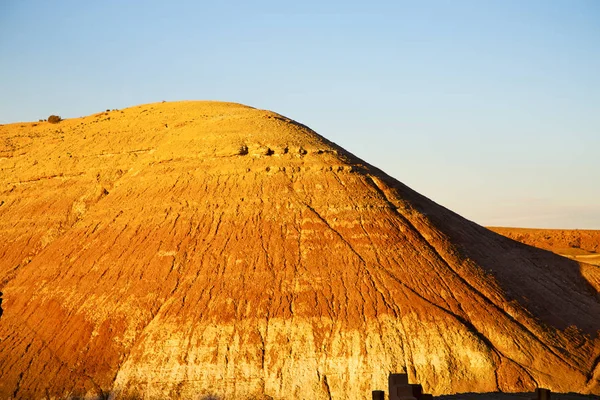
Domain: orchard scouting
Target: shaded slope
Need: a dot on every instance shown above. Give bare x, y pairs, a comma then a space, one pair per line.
562, 241
578, 244
190, 248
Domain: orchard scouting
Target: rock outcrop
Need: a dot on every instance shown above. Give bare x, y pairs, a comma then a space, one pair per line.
194, 249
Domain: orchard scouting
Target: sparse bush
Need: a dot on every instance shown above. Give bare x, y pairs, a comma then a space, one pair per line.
243, 150
54, 119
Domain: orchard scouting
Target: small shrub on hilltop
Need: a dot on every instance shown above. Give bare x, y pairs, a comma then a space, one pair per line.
54, 119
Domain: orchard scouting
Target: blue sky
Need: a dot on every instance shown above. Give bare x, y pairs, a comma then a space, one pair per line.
490, 108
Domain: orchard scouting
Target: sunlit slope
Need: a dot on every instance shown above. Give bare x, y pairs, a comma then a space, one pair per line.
177, 250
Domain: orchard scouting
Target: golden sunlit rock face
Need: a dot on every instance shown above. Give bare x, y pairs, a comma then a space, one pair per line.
189, 249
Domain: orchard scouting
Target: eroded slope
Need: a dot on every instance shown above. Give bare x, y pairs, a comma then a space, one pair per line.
195, 248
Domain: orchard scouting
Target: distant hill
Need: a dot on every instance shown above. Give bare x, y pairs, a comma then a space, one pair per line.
580, 245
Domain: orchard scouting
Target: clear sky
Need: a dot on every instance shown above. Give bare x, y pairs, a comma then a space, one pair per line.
490, 108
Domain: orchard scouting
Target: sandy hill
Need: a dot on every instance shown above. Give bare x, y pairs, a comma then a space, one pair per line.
181, 250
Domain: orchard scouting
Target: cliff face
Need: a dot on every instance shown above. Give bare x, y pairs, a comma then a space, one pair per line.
198, 248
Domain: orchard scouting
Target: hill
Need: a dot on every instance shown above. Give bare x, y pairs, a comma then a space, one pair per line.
189, 249
578, 244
